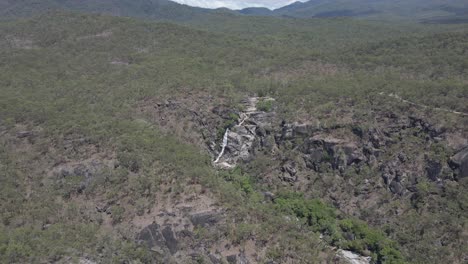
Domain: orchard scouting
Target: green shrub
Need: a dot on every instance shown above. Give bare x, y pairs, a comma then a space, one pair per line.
265, 105
323, 218
117, 214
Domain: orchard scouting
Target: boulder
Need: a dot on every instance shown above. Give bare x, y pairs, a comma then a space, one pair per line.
269, 196
237, 259
339, 154
304, 129
171, 241
290, 168
24, 134
376, 138
232, 259
158, 240
289, 172
433, 170
353, 154
215, 259
459, 162
288, 178
152, 238
205, 219
287, 132
432, 131
396, 188
358, 131
242, 259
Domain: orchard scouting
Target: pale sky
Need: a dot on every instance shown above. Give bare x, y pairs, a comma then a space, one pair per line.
237, 4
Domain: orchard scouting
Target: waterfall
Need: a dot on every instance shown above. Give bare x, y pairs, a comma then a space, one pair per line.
244, 133
223, 147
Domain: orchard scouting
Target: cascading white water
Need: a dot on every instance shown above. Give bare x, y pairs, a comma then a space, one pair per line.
223, 147
225, 138
250, 107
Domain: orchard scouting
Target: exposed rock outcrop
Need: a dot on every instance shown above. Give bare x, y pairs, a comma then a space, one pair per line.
357, 166
459, 162
251, 128
325, 152
158, 239
353, 258
205, 219
83, 172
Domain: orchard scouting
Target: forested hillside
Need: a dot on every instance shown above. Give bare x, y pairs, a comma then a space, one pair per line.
247, 140
152, 9
433, 11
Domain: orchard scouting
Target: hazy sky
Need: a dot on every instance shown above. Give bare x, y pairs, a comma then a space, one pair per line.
237, 4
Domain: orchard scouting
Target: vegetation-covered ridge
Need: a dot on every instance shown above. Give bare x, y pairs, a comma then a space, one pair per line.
109, 127
433, 11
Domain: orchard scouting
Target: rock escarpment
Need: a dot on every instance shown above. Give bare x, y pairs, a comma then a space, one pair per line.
239, 140
459, 163
387, 149
376, 170
389, 166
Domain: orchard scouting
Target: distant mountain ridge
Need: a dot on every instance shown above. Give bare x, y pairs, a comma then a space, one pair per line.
152, 9
425, 11
429, 11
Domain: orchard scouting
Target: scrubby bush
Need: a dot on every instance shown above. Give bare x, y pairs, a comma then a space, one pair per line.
265, 105
348, 233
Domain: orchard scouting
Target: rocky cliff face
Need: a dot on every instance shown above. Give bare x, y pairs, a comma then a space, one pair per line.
358, 168
381, 171
459, 163
388, 148
240, 139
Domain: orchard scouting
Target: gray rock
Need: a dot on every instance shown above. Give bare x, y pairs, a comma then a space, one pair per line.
290, 168
242, 259
215, 259
376, 137
354, 154
358, 131
402, 157
433, 170
205, 219
288, 178
459, 162
261, 132
338, 153
287, 132
301, 130
161, 241
396, 188
171, 241
152, 238
232, 259
269, 196
24, 134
